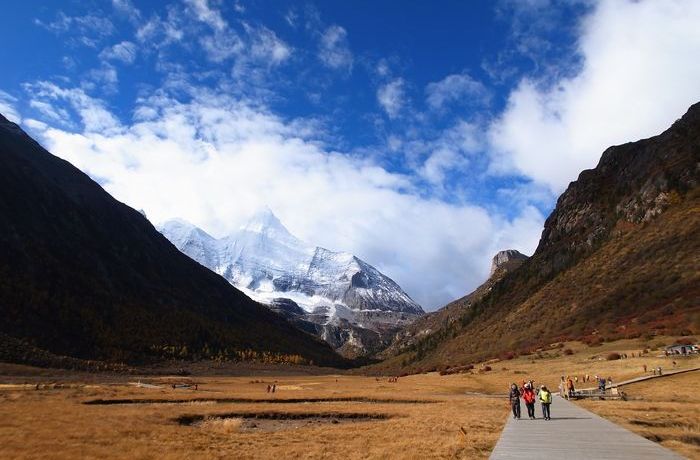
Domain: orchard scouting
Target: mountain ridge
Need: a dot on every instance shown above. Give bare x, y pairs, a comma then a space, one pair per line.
85, 276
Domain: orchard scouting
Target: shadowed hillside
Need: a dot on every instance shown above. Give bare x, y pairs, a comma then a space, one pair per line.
86, 276
618, 258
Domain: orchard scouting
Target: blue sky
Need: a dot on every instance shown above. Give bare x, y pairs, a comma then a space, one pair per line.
421, 136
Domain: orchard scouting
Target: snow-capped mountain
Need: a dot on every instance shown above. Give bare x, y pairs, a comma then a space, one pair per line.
333, 294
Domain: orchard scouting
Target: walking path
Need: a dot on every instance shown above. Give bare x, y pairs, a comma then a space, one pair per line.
648, 377
573, 433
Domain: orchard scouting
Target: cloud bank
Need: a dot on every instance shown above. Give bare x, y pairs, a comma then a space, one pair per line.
640, 72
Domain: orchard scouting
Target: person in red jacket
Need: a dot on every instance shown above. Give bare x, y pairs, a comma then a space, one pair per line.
529, 397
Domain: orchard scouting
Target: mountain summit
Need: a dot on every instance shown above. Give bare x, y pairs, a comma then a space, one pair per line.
338, 296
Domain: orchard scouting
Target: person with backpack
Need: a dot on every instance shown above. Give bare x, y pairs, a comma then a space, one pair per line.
529, 398
546, 400
514, 398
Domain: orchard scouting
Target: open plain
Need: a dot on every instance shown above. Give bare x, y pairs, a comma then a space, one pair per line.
63, 415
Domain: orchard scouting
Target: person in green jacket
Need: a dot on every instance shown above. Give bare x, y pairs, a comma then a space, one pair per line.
546, 400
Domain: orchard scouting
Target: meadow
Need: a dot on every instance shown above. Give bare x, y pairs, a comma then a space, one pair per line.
60, 415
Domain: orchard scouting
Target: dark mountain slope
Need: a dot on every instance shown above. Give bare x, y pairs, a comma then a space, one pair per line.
84, 275
618, 257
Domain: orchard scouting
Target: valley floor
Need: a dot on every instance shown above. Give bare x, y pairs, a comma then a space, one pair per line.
55, 422
326, 416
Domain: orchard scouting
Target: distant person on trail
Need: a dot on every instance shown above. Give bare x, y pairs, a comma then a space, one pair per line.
570, 389
546, 400
514, 398
601, 384
562, 387
645, 368
529, 398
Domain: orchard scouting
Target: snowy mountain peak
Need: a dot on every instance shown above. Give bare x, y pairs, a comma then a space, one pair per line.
266, 223
263, 220
182, 229
335, 289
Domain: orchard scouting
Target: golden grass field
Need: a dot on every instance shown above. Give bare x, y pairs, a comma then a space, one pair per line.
55, 422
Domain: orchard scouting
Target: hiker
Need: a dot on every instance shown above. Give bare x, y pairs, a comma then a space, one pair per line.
601, 384
645, 368
546, 399
570, 388
562, 387
529, 398
514, 397
269, 388
274, 387
610, 382
658, 369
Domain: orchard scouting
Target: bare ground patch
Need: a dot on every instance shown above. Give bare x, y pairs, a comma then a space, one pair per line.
273, 421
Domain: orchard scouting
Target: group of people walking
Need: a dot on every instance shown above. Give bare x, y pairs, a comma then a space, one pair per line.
530, 394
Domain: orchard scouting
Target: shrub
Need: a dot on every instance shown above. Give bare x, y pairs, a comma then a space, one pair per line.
486, 368
508, 355
568, 351
686, 341
613, 356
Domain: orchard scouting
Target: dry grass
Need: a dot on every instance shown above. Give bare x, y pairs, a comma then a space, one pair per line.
668, 411
53, 422
221, 425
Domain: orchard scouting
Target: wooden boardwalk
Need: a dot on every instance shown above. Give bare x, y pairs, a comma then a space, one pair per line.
647, 377
573, 433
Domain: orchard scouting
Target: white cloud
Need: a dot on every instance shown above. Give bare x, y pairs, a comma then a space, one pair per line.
207, 14
215, 160
87, 30
48, 110
334, 50
124, 51
222, 46
105, 76
456, 88
159, 32
391, 97
7, 107
640, 72
266, 46
128, 9
92, 112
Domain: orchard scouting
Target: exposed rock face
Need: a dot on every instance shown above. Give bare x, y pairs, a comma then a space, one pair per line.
503, 263
633, 183
502, 259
